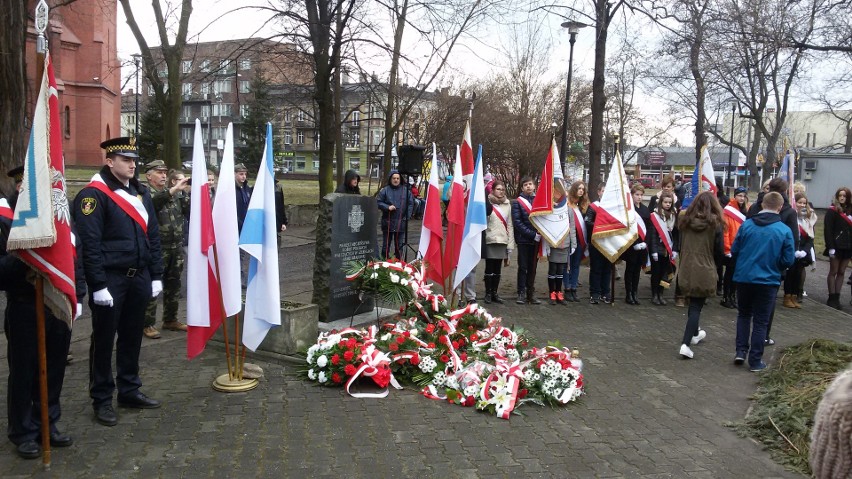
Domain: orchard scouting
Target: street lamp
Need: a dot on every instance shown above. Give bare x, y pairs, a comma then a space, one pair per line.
731, 145
573, 27
136, 58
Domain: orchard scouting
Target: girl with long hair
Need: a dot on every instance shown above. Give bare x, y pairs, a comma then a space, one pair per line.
700, 247
735, 213
661, 239
578, 203
806, 218
838, 243
499, 240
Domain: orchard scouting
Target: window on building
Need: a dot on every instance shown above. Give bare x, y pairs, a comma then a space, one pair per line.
205, 89
377, 137
288, 164
205, 112
205, 66
356, 118
245, 64
354, 139
222, 86
224, 66
355, 163
300, 163
67, 122
302, 116
244, 111
186, 66
186, 135
221, 109
245, 86
186, 89
300, 137
186, 112
219, 132
288, 117
316, 165
288, 137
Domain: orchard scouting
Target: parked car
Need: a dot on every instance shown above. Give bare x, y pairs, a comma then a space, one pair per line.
645, 181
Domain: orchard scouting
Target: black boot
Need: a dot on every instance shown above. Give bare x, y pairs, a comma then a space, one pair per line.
733, 300
574, 297
655, 297
635, 299
834, 301
495, 283
522, 298
487, 281
531, 297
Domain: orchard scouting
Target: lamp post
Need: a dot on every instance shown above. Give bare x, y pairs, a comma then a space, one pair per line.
136, 58
731, 145
573, 27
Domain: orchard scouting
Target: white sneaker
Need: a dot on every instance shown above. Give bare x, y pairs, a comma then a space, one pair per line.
685, 352
698, 337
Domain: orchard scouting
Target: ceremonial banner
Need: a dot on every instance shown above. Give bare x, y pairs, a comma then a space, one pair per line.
455, 219
703, 178
227, 232
259, 239
549, 212
203, 306
466, 158
614, 229
41, 224
475, 223
432, 232
788, 173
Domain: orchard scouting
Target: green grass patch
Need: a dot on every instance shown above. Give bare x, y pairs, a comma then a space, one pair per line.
787, 398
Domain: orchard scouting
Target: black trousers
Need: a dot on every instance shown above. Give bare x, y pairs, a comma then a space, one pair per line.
121, 324
633, 261
527, 262
692, 317
600, 273
793, 279
493, 266
23, 401
659, 271
728, 286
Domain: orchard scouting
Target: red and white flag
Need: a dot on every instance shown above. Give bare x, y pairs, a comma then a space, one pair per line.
455, 219
41, 226
432, 233
550, 213
467, 161
203, 301
614, 231
227, 231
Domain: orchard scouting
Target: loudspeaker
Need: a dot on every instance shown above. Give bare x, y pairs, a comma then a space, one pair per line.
410, 159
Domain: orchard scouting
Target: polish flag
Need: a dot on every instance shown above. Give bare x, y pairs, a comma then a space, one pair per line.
432, 233
203, 297
455, 219
467, 162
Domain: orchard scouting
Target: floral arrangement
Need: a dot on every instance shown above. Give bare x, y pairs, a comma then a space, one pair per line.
465, 357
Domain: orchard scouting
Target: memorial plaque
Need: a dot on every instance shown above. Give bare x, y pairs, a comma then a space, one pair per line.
353, 238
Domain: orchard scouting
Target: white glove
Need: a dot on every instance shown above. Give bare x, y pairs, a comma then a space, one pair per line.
103, 298
674, 255
586, 252
655, 256
572, 251
800, 254
640, 246
537, 238
728, 255
831, 253
79, 311
156, 288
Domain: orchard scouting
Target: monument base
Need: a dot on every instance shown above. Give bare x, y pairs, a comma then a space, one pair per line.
375, 316
298, 330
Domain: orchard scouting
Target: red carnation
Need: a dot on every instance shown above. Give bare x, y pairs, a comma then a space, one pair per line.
430, 328
462, 341
474, 337
510, 346
348, 355
455, 344
470, 328
335, 359
415, 360
522, 393
400, 339
469, 401
431, 346
407, 334
463, 357
445, 358
336, 378
442, 339
342, 343
349, 370
351, 343
506, 333
393, 347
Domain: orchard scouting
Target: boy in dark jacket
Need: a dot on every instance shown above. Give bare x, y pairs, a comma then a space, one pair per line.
527, 240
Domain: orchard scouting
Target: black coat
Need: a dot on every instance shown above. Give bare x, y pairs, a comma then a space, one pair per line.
110, 238
347, 178
838, 233
788, 216
524, 230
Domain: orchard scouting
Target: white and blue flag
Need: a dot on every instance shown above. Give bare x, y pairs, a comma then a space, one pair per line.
475, 222
259, 239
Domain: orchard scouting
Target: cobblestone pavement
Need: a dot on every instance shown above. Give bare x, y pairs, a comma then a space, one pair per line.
647, 413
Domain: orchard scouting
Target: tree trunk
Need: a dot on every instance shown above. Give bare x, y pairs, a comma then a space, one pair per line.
393, 84
754, 182
598, 97
700, 92
13, 89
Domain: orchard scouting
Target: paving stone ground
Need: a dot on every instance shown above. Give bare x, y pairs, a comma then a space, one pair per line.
647, 413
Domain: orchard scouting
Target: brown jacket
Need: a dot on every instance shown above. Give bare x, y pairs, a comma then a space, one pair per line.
700, 247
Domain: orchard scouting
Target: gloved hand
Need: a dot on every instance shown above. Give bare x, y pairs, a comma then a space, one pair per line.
674, 255
728, 255
537, 238
79, 311
572, 251
831, 253
800, 254
640, 246
103, 298
156, 288
655, 256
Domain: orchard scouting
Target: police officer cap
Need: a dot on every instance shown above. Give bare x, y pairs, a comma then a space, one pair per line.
156, 165
17, 174
740, 189
124, 146
240, 167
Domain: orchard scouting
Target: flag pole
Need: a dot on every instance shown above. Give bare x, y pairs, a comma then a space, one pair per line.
41, 13
225, 318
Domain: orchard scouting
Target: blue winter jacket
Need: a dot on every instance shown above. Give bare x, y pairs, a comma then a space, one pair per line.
763, 249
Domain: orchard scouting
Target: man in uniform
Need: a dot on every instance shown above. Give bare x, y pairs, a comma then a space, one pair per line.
172, 206
24, 406
120, 244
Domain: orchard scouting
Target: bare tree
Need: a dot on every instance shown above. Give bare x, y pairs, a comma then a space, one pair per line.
13, 88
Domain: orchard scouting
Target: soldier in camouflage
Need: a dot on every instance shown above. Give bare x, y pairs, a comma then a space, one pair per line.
172, 205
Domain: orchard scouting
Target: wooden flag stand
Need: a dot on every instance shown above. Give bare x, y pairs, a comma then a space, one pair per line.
232, 381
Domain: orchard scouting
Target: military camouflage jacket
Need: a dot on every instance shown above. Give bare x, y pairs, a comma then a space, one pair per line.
171, 213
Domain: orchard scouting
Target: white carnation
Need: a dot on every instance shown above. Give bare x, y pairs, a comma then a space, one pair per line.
394, 278
312, 375
438, 379
471, 390
322, 378
322, 361
385, 336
